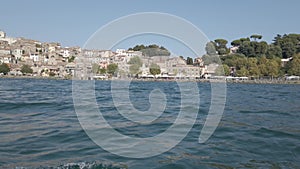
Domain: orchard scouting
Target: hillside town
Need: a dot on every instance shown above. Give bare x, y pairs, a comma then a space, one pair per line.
50, 59
32, 58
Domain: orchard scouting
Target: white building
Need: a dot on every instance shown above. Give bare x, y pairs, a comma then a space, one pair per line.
65, 53
2, 34
5, 59
51, 49
5, 51
17, 53
121, 52
129, 54
233, 49
34, 57
7, 39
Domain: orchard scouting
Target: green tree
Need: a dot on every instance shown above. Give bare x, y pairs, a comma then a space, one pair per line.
208, 59
112, 69
242, 72
151, 50
154, 69
254, 71
269, 67
95, 68
231, 60
274, 51
272, 68
288, 49
253, 48
222, 70
52, 74
252, 67
153, 46
244, 40
210, 48
26, 69
221, 46
262, 61
155, 52
288, 43
162, 48
294, 66
135, 64
277, 40
4, 68
137, 48
237, 42
252, 62
134, 69
71, 59
221, 43
135, 61
240, 62
223, 51
226, 70
255, 37
102, 70
247, 49
260, 48
189, 61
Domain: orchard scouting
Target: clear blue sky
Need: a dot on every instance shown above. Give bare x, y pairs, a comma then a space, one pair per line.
72, 22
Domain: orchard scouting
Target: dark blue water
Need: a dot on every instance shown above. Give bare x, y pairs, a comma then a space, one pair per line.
260, 127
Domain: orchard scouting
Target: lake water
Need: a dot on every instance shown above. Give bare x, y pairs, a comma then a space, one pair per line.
260, 127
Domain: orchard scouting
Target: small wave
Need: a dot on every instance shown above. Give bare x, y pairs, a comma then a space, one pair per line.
261, 112
275, 132
80, 165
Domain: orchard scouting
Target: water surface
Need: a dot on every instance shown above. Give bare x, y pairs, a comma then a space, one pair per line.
39, 128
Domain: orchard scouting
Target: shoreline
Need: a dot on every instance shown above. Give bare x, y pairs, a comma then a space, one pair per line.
255, 81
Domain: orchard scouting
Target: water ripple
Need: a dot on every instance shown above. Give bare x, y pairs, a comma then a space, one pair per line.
39, 128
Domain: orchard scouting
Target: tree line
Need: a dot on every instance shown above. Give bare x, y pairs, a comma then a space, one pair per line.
254, 57
4, 68
151, 50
